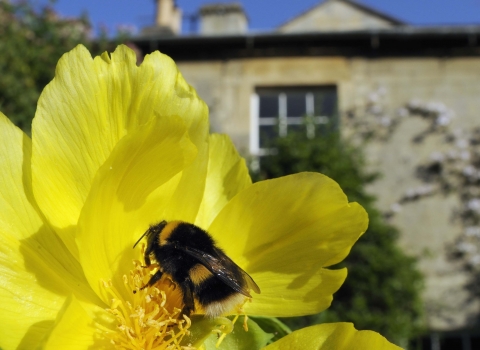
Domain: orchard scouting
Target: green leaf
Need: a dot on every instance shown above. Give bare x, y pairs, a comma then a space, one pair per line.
274, 326
239, 339
202, 328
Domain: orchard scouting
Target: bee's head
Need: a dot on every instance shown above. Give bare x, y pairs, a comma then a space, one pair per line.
152, 233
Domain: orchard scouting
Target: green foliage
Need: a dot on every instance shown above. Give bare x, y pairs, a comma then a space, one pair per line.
382, 290
238, 339
272, 326
32, 41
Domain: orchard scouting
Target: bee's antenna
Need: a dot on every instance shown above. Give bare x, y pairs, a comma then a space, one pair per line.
145, 234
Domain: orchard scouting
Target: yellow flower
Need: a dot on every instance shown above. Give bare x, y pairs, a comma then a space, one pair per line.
115, 148
338, 336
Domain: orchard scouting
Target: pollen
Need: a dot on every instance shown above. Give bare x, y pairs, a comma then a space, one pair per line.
151, 318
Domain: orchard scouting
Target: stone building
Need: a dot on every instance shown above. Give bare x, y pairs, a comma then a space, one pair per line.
416, 88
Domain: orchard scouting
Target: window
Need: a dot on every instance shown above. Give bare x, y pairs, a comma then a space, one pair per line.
277, 111
447, 341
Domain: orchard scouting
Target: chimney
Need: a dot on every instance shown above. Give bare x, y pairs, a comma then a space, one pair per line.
168, 19
223, 19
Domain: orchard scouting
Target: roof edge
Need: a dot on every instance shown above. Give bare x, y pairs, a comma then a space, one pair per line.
374, 11
353, 3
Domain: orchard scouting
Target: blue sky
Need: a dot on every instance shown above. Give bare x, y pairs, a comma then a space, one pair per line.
267, 14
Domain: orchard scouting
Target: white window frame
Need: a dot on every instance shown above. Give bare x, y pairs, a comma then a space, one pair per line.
283, 121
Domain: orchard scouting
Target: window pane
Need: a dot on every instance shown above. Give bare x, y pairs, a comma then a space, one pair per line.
426, 343
475, 342
325, 103
451, 343
296, 102
296, 105
267, 134
268, 106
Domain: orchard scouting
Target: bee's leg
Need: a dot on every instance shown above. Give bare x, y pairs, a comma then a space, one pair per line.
154, 279
188, 302
147, 260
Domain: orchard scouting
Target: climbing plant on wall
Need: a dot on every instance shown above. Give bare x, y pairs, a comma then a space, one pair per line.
452, 169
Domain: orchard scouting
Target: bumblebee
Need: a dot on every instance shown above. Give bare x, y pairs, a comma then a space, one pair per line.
204, 273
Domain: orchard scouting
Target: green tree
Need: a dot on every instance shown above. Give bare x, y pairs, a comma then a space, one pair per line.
32, 39
382, 290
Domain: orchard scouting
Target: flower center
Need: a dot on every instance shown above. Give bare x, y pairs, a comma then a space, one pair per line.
152, 319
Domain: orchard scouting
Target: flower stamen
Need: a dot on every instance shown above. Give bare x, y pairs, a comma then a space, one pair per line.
152, 318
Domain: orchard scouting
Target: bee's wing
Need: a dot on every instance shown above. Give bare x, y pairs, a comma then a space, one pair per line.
224, 268
246, 277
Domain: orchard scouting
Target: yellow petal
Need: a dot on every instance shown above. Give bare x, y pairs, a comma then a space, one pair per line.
185, 201
20, 217
36, 269
82, 114
227, 175
286, 295
190, 184
117, 212
338, 336
75, 328
282, 232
